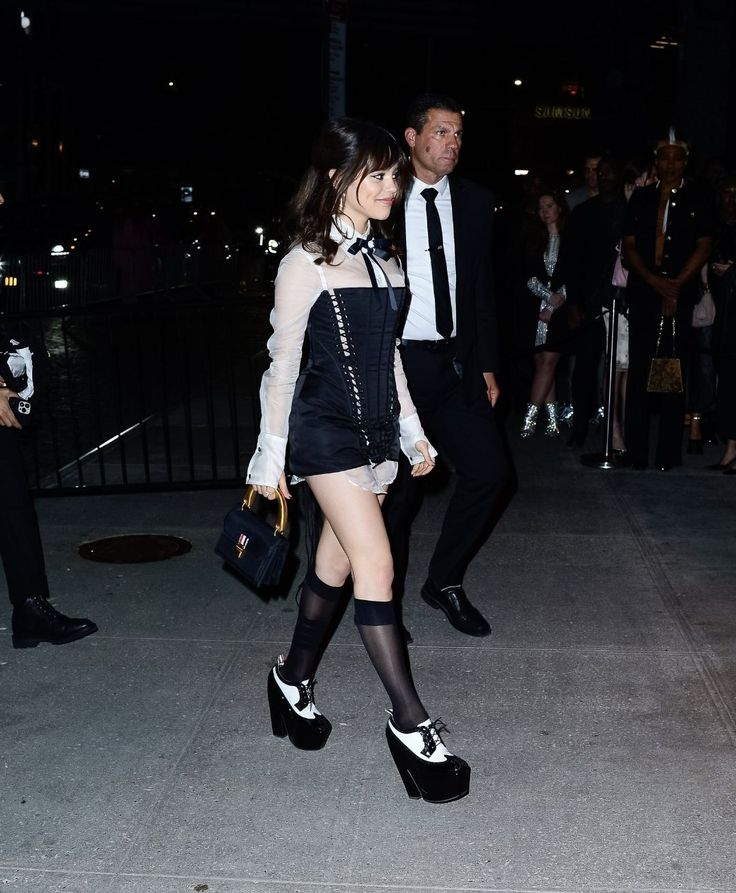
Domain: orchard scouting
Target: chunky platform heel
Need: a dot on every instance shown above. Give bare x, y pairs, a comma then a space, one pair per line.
293, 713
427, 768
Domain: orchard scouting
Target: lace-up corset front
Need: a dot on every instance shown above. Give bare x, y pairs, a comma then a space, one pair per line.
345, 411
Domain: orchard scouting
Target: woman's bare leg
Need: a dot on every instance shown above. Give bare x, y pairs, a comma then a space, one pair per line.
354, 536
320, 598
356, 523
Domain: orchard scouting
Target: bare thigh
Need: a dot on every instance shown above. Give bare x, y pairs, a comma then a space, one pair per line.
354, 537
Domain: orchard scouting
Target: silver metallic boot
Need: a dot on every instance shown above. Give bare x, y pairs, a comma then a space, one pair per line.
552, 429
530, 420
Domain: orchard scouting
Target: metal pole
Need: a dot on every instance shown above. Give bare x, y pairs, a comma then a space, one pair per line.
607, 459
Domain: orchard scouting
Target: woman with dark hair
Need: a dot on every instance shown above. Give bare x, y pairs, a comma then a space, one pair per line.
544, 282
345, 417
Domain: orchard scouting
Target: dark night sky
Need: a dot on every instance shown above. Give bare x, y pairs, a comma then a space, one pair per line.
249, 82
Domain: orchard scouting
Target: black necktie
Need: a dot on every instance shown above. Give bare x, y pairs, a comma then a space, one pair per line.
442, 303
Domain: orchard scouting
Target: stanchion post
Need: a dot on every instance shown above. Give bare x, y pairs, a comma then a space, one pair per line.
607, 459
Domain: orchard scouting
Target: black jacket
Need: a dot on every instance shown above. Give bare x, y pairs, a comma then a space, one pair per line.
689, 218
477, 331
591, 237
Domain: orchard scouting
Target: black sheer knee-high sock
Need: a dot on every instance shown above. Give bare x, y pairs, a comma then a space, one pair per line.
317, 607
376, 622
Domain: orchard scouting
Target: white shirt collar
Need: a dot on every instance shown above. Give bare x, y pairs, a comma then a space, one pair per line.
342, 230
418, 185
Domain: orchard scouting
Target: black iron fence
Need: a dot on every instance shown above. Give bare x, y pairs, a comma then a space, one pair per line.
160, 393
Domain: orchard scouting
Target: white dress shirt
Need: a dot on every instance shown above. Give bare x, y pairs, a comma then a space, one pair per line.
420, 321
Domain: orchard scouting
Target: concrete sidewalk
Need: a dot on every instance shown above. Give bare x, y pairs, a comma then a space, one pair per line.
599, 718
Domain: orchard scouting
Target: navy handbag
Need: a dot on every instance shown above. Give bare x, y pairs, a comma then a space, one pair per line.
254, 549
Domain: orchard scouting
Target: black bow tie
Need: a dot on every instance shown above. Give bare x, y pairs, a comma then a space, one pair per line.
380, 247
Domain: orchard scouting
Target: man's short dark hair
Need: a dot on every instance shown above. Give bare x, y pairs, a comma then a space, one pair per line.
417, 113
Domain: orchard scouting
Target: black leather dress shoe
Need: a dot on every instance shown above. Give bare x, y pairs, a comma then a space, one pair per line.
36, 620
458, 610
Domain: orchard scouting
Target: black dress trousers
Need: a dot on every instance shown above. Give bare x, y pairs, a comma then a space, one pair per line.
20, 540
590, 346
468, 436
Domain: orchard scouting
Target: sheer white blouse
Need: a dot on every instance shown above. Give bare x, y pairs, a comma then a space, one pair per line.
299, 282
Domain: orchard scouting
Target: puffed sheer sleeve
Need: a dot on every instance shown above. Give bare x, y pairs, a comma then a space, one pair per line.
410, 428
297, 287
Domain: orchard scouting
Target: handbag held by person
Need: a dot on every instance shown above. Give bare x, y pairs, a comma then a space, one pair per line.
620, 275
254, 549
704, 312
665, 373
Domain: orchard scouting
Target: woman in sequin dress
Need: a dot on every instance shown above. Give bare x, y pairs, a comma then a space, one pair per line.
546, 289
344, 418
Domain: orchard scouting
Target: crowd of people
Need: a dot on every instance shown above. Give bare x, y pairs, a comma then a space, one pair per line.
658, 245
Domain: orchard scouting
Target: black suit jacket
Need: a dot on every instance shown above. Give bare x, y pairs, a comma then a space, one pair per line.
589, 252
477, 330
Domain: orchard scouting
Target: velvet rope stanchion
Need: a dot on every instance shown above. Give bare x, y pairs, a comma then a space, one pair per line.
608, 459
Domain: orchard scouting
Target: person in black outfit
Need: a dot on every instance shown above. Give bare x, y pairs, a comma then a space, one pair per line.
450, 355
589, 250
34, 617
345, 417
544, 280
520, 239
667, 239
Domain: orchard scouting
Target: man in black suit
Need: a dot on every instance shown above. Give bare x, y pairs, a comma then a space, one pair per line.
449, 353
589, 253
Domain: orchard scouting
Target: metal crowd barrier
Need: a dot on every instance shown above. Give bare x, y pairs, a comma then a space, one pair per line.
158, 394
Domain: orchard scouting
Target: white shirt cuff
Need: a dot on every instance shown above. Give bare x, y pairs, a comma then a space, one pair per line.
268, 461
411, 431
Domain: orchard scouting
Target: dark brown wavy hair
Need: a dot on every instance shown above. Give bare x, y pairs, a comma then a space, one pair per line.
353, 149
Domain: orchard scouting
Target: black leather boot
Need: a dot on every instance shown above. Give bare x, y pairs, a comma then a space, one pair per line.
36, 620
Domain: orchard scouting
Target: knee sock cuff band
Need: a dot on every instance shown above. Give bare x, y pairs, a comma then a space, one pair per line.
368, 613
320, 588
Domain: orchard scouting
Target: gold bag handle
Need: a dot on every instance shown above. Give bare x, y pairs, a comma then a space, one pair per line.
283, 519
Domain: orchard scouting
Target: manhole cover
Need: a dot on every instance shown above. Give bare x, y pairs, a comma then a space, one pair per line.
134, 547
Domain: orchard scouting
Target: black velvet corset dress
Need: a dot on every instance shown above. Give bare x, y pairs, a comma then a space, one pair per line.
345, 411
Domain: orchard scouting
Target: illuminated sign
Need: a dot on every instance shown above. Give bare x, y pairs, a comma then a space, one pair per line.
562, 112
